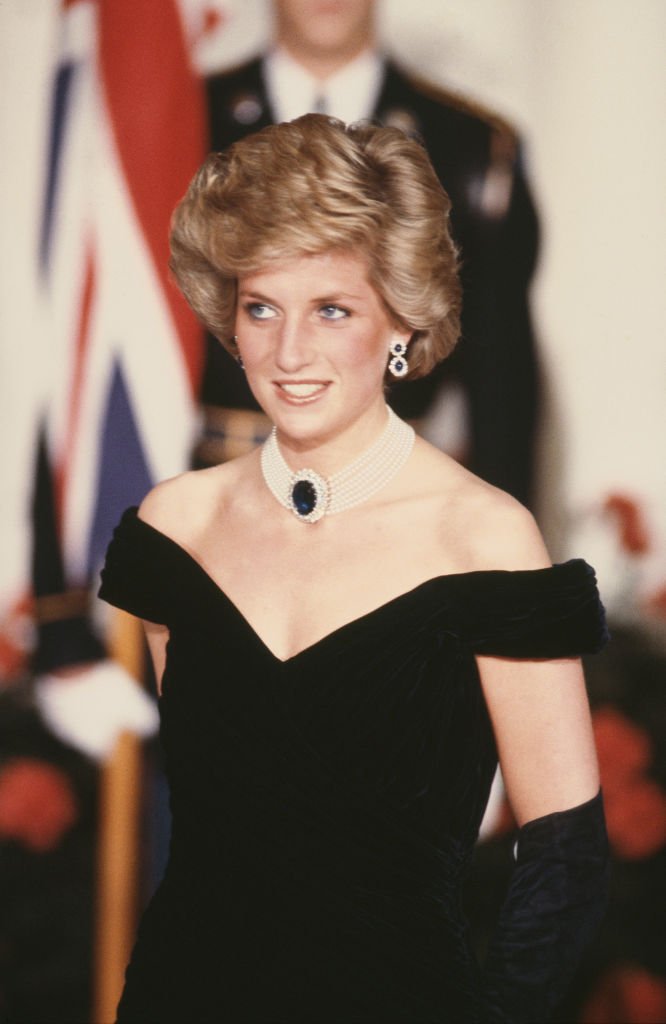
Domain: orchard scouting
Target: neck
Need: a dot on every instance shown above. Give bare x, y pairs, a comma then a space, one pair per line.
322, 65
329, 455
309, 495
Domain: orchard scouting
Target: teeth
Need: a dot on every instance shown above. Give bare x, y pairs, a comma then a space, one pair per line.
302, 390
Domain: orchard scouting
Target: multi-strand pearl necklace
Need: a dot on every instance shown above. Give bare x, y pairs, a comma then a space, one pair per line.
310, 496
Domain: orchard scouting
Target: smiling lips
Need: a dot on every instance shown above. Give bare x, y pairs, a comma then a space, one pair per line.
302, 391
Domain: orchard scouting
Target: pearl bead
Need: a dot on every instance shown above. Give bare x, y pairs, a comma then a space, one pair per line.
310, 496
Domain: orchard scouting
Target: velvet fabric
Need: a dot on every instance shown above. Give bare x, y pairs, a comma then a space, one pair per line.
325, 807
554, 906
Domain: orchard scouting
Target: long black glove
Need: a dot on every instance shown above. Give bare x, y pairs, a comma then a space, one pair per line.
556, 900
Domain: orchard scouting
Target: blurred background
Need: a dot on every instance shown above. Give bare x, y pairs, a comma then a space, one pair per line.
103, 120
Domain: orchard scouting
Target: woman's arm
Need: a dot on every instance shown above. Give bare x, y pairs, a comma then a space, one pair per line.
542, 726
538, 709
157, 637
158, 508
558, 888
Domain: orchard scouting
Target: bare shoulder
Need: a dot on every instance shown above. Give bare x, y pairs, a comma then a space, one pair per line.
168, 502
503, 534
488, 528
183, 504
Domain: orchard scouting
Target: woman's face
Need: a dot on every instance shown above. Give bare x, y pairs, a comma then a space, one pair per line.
314, 339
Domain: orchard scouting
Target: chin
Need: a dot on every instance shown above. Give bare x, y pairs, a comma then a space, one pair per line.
307, 424
307, 429
297, 414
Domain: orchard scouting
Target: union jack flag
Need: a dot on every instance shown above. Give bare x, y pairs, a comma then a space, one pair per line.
124, 352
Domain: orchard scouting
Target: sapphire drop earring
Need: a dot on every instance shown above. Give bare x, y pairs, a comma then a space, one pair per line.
238, 357
398, 365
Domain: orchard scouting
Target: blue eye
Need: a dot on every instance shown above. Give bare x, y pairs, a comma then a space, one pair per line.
259, 311
334, 312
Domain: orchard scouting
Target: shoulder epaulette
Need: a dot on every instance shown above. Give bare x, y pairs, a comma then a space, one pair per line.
464, 104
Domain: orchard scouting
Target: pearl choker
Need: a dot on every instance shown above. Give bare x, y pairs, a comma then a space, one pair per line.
310, 496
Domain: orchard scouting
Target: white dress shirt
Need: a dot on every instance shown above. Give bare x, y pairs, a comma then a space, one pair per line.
350, 94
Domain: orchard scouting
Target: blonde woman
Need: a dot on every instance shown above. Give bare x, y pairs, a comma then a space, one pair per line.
348, 629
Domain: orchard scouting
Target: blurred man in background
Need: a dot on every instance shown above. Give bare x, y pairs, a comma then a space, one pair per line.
482, 403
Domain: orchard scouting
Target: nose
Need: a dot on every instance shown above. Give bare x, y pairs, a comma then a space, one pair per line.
294, 348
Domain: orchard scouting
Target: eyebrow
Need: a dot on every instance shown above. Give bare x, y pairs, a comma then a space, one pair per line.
338, 296
318, 300
245, 294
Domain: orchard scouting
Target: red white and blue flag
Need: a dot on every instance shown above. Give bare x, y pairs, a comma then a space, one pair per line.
122, 351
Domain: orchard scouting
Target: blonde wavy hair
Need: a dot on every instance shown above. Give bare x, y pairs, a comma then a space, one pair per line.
315, 185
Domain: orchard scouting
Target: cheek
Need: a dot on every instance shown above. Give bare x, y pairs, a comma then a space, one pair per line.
367, 354
255, 346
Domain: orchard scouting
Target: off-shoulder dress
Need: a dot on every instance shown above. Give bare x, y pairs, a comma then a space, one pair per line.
325, 807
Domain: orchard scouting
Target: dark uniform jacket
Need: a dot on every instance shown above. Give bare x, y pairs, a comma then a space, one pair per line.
477, 159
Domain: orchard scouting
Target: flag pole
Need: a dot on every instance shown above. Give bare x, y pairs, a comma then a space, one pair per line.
118, 840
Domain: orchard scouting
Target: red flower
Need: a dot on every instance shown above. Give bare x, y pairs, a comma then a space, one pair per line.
37, 804
634, 536
624, 749
636, 819
626, 993
635, 804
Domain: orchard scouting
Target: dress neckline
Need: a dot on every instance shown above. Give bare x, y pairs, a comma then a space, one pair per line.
442, 579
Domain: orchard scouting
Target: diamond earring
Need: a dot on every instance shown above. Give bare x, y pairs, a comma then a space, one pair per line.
398, 365
234, 342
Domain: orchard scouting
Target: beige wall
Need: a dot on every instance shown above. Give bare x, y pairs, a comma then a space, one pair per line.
586, 82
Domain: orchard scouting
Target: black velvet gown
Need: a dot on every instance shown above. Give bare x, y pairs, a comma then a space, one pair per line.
325, 807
